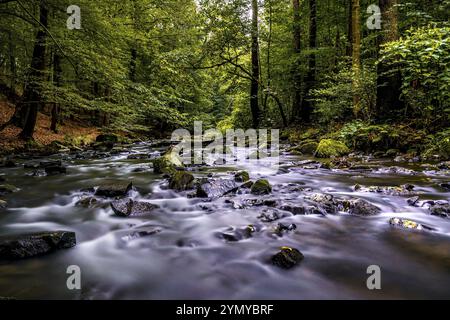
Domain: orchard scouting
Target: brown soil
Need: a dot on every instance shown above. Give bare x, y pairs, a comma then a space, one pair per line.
43, 135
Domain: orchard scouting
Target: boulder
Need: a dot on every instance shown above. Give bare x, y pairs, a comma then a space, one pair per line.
242, 176
111, 138
181, 181
87, 202
445, 186
7, 188
282, 228
326, 204
270, 215
215, 188
287, 258
440, 210
114, 189
238, 234
408, 224
360, 207
3, 204
329, 148
412, 201
168, 163
404, 190
308, 147
261, 187
35, 244
128, 207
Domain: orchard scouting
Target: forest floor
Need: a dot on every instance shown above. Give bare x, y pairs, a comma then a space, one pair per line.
9, 140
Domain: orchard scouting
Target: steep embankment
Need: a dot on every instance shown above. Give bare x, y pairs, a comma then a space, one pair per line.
43, 135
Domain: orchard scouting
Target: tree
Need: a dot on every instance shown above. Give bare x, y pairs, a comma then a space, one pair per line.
356, 52
311, 77
388, 80
297, 108
254, 87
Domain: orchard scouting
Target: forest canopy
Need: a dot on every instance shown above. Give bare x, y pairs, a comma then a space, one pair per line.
152, 66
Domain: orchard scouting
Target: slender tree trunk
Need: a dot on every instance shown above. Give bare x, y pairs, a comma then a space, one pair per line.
297, 111
254, 88
349, 47
58, 83
133, 63
32, 95
388, 82
269, 45
356, 56
311, 77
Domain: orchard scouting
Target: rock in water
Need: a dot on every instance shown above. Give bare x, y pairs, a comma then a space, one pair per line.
440, 210
114, 189
3, 204
53, 170
287, 258
129, 207
261, 187
242, 176
168, 163
413, 201
30, 245
215, 188
329, 148
360, 207
181, 181
7, 188
408, 224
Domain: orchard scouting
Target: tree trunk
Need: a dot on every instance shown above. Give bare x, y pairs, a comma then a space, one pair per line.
311, 77
254, 88
388, 82
32, 95
349, 47
57, 82
356, 56
297, 111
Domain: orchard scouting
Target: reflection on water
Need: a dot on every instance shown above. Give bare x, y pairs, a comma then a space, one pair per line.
181, 255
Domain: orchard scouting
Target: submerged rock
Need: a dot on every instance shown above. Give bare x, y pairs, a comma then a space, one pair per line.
261, 187
239, 234
445, 186
86, 202
30, 245
129, 207
114, 189
242, 176
287, 258
281, 228
270, 215
140, 234
3, 204
181, 181
408, 224
329, 148
7, 188
215, 188
53, 170
413, 201
404, 190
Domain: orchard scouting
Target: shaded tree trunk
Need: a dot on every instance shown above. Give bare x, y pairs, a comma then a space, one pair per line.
58, 83
297, 111
254, 87
311, 77
356, 53
388, 81
349, 47
32, 95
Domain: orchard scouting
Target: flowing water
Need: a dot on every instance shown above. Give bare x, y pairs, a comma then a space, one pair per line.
188, 259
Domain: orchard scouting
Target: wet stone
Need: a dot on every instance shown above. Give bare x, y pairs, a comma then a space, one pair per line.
128, 207
242, 176
239, 234
413, 201
30, 245
283, 228
140, 234
261, 187
3, 204
445, 186
404, 190
360, 207
215, 188
287, 258
181, 181
114, 189
440, 210
270, 215
408, 224
87, 202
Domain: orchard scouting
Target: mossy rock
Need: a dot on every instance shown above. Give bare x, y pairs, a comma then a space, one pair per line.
261, 187
168, 163
308, 147
242, 176
329, 148
287, 258
7, 188
3, 204
181, 181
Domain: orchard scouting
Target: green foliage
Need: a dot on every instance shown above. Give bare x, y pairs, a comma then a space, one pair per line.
334, 97
423, 57
329, 148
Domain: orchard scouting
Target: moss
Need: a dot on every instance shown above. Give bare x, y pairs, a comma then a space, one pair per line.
242, 176
181, 181
328, 148
261, 187
168, 163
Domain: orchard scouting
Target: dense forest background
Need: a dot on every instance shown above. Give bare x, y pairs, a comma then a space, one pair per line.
317, 68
